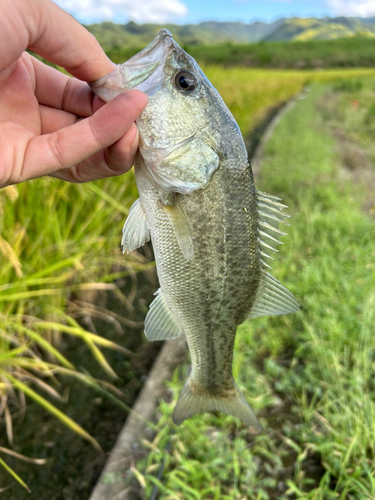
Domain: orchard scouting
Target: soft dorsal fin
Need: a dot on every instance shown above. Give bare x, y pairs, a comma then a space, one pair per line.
160, 324
272, 297
135, 232
172, 207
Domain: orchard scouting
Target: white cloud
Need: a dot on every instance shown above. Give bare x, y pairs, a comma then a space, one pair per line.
356, 8
151, 11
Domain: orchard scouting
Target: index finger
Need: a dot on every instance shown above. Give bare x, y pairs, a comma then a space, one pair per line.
44, 28
56, 90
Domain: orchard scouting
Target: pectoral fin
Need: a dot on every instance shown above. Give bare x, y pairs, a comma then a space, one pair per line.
172, 207
160, 324
135, 232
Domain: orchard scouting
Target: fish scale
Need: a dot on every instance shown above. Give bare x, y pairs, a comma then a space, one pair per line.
212, 232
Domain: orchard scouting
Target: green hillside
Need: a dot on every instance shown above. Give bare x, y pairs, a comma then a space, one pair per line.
112, 35
321, 29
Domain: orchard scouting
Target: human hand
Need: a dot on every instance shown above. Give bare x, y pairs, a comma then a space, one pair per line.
40, 108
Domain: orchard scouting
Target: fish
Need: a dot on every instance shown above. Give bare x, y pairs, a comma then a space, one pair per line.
213, 233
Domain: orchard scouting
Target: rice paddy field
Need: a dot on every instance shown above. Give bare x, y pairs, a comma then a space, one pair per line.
308, 376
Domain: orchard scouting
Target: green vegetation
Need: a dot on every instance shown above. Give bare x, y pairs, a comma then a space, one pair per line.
309, 376
134, 35
59, 243
344, 53
112, 35
249, 93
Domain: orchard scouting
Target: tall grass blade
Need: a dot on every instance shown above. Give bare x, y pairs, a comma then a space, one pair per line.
99, 356
53, 410
45, 344
80, 332
11, 255
16, 476
109, 199
11, 453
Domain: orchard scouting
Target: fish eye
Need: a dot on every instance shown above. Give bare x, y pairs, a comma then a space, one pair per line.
186, 80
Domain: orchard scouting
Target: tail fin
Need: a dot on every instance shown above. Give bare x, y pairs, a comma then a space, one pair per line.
190, 404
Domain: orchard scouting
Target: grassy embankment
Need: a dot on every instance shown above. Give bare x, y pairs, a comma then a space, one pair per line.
61, 241
309, 376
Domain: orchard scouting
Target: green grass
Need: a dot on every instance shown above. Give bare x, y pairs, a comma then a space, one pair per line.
309, 376
249, 93
341, 53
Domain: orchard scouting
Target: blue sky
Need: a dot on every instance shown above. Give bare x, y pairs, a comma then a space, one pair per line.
194, 11
224, 10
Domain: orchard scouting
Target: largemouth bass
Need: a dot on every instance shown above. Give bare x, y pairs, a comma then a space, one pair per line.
211, 230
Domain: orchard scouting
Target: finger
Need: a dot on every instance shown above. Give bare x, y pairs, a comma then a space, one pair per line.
56, 90
49, 31
69, 146
120, 155
55, 119
115, 160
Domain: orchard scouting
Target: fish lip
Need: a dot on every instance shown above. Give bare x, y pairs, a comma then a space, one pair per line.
164, 37
141, 66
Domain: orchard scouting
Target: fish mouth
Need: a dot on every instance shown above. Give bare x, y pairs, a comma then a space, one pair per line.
144, 71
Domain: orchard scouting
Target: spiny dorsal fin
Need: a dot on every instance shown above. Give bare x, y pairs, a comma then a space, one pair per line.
160, 324
272, 298
135, 232
271, 214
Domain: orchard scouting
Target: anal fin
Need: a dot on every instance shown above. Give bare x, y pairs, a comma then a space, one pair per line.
135, 232
160, 324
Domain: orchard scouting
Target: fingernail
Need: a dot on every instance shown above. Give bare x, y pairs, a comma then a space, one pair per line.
134, 146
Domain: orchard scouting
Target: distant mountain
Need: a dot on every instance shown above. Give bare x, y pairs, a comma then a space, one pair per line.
322, 29
112, 35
